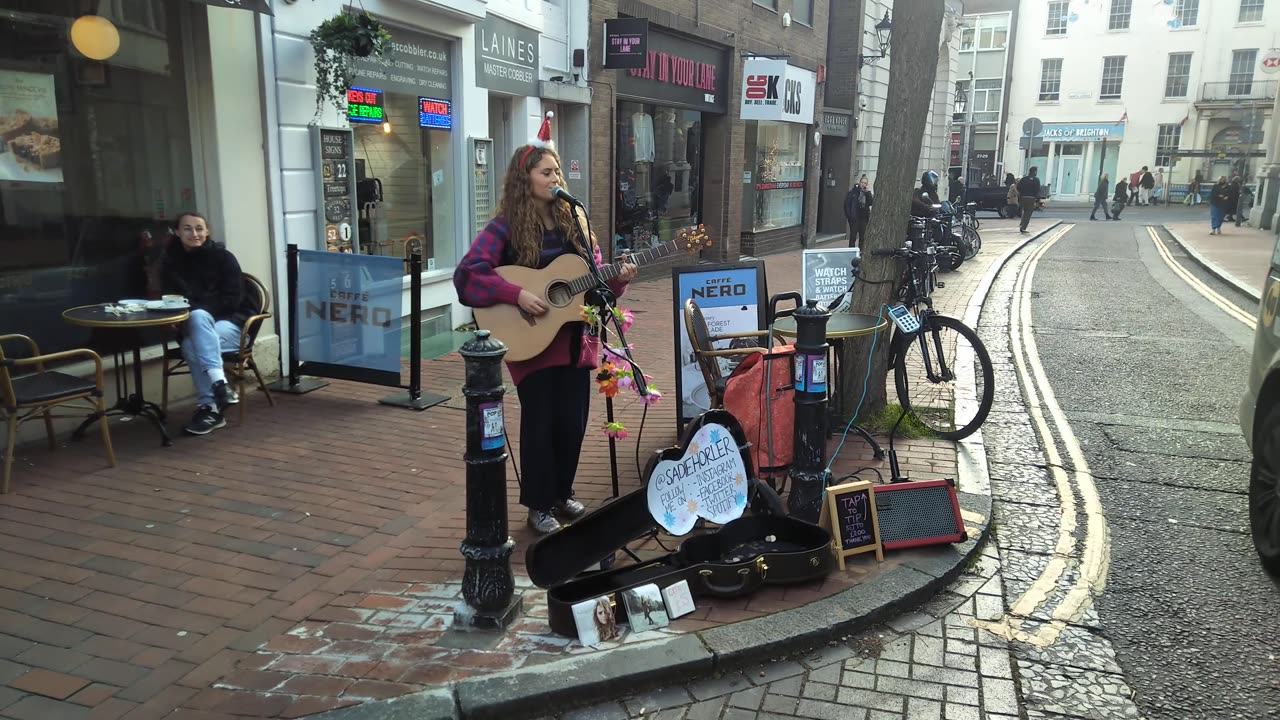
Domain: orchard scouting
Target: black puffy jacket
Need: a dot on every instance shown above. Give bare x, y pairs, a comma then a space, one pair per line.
209, 277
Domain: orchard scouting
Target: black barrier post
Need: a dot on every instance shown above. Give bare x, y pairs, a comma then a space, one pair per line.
413, 398
487, 583
292, 382
608, 409
808, 471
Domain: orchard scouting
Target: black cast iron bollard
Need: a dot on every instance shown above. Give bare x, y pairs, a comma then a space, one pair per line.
808, 467
487, 583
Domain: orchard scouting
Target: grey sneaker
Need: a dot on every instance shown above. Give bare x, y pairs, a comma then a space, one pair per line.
570, 508
205, 421
543, 522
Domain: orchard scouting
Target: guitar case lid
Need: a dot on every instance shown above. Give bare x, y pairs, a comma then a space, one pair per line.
558, 557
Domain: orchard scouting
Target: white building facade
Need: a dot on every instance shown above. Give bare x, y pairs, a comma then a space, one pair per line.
464, 83
1177, 87
983, 73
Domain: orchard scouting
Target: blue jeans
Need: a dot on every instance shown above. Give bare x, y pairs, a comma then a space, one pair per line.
203, 343
1215, 216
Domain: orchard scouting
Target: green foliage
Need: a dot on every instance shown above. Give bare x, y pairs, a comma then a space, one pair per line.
336, 43
882, 422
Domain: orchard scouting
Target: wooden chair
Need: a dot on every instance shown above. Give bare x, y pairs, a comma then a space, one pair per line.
702, 341
22, 397
239, 363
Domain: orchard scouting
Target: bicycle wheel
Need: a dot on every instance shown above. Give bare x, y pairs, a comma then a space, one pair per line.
972, 241
926, 380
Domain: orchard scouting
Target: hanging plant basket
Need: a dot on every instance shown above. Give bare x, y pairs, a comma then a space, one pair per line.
337, 42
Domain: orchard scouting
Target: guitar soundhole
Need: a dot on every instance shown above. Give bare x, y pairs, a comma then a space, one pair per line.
559, 295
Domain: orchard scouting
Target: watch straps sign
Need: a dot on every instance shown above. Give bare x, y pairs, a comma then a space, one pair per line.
708, 481
258, 6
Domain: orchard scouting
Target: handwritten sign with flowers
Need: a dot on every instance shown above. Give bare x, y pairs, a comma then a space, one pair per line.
708, 481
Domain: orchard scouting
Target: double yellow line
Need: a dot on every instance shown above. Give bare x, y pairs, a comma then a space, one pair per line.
1209, 293
1093, 559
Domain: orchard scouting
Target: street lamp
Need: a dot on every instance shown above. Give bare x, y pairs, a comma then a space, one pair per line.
883, 29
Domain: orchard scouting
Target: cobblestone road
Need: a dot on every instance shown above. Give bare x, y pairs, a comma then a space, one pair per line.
930, 664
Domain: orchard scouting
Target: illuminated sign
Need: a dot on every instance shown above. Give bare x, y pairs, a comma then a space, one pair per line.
434, 113
365, 106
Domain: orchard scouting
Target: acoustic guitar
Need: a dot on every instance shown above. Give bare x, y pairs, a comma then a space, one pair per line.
563, 286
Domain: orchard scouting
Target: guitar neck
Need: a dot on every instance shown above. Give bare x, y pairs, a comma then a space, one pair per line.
610, 271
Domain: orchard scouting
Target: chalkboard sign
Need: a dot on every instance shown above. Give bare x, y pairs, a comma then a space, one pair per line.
850, 510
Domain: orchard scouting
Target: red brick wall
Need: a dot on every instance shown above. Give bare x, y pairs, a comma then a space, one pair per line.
740, 26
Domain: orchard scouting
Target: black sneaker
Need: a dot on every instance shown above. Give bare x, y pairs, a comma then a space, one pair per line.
221, 395
205, 421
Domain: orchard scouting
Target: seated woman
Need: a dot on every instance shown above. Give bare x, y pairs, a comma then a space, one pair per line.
208, 276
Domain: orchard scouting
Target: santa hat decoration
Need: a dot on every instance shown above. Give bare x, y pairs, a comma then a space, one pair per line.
544, 137
544, 133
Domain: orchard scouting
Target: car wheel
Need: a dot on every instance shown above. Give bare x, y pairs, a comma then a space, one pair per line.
1264, 493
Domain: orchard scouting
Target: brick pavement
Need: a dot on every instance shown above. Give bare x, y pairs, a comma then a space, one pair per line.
929, 664
307, 559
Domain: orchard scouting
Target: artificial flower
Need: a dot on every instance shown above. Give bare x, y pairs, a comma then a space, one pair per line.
615, 430
651, 396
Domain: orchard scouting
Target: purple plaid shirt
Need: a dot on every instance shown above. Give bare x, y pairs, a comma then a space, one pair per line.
479, 286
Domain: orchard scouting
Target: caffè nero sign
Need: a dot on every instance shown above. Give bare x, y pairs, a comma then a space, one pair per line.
506, 57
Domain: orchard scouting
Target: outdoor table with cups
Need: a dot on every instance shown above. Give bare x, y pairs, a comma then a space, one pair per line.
126, 320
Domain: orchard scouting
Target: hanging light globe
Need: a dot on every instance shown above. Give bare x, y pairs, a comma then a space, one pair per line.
95, 37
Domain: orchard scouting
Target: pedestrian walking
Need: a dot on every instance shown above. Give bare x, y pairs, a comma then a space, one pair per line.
1146, 184
1119, 199
1100, 197
1193, 191
857, 210
1028, 196
1233, 208
1219, 205
1134, 178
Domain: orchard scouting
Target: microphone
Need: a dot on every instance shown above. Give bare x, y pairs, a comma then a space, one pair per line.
560, 193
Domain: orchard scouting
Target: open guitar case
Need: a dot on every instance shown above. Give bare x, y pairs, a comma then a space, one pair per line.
738, 558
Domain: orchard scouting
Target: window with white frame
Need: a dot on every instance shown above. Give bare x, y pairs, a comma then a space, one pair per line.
802, 12
986, 98
1187, 11
1057, 24
994, 34
1178, 78
1050, 79
1167, 141
1112, 77
1251, 10
1241, 80
1121, 12
966, 39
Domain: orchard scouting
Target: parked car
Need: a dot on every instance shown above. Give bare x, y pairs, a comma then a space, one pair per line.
995, 199
1260, 423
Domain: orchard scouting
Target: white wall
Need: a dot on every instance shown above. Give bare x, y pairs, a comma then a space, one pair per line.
295, 92
1146, 45
873, 89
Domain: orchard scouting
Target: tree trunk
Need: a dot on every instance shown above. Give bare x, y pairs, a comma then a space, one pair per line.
914, 53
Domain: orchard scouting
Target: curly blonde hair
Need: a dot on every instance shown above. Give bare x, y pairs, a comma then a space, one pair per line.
517, 206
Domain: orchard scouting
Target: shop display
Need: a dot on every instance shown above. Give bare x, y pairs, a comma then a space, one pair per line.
30, 144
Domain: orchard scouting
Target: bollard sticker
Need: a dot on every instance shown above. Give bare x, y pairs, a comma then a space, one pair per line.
810, 373
492, 436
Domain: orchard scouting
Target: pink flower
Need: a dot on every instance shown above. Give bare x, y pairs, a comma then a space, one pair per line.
615, 430
628, 319
651, 396
625, 382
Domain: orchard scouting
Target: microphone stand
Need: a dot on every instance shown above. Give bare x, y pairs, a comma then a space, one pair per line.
602, 297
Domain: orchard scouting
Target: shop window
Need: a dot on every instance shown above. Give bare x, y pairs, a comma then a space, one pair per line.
404, 185
780, 171
94, 164
659, 182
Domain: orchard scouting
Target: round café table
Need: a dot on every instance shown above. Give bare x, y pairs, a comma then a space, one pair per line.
840, 327
128, 327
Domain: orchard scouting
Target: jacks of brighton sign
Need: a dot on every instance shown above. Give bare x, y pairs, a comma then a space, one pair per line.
708, 481
774, 90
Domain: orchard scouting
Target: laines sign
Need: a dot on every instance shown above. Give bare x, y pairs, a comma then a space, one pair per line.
775, 90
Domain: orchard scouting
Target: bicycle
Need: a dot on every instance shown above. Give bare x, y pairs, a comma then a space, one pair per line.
925, 378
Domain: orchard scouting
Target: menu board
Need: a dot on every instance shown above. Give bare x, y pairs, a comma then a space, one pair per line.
30, 140
336, 188
850, 512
